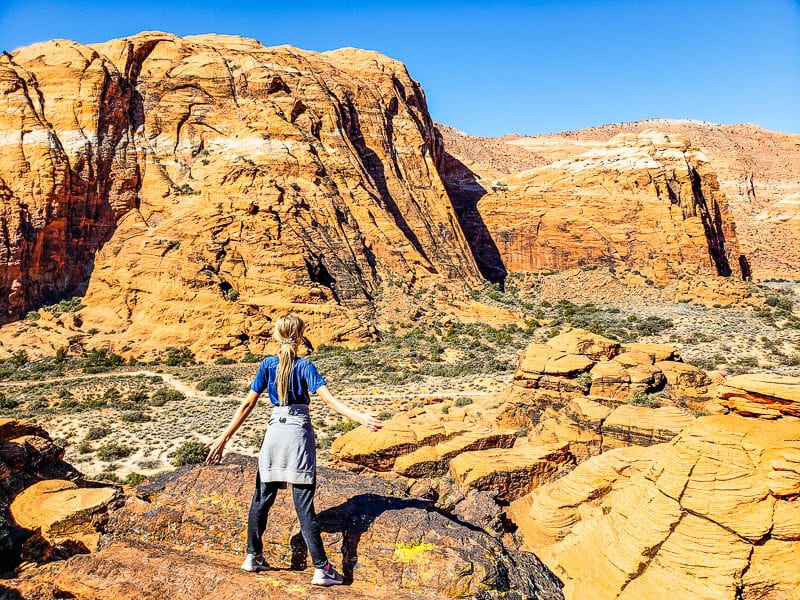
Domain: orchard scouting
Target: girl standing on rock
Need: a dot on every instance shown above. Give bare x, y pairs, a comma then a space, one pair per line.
288, 454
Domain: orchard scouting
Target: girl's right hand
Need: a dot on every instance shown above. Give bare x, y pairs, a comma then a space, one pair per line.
215, 452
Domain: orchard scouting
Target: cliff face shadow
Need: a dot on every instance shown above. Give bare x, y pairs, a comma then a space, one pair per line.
464, 190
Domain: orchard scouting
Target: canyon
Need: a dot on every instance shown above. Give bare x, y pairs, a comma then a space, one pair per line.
165, 198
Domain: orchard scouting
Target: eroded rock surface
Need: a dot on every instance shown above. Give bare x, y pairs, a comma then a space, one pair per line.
699, 517
186, 531
203, 179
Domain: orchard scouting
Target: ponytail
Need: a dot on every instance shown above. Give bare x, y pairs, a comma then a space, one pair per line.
288, 331
286, 356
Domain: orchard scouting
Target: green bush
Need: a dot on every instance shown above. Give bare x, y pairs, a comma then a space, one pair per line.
190, 453
112, 394
345, 426
463, 401
7, 403
178, 357
164, 395
100, 360
32, 315
96, 433
113, 451
137, 396
134, 479
642, 398
134, 416
224, 360
251, 358
217, 385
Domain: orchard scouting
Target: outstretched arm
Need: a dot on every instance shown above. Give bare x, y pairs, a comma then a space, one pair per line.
368, 420
218, 445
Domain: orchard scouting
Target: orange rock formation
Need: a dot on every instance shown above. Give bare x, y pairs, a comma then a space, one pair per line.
199, 180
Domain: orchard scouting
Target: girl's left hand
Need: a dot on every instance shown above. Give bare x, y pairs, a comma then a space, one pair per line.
371, 421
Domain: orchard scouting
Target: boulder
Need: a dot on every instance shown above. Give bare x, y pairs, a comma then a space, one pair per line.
580, 341
510, 472
775, 393
656, 352
538, 360
641, 426
430, 461
684, 379
62, 512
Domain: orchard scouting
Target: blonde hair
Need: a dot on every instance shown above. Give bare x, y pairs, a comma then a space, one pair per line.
288, 331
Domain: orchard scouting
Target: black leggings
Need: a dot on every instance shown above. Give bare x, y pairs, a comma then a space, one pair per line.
303, 496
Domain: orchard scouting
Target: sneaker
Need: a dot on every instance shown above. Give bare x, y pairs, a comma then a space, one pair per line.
327, 575
253, 563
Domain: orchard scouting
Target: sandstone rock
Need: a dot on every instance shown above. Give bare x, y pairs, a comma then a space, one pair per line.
61, 511
656, 352
684, 379
187, 220
565, 211
401, 435
726, 483
580, 341
611, 380
755, 170
634, 358
772, 572
775, 393
511, 472
187, 533
538, 360
430, 461
11, 428
640, 426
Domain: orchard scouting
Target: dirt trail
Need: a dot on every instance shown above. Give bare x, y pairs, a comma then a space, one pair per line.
191, 392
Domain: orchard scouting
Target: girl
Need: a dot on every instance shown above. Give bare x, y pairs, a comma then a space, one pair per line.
288, 454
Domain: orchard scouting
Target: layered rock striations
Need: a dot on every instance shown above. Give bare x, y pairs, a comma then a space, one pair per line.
758, 172
187, 182
711, 515
647, 201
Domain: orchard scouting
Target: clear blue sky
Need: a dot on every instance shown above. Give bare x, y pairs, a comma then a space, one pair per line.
491, 68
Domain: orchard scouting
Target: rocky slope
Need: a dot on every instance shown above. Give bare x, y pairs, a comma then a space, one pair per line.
758, 172
186, 532
174, 176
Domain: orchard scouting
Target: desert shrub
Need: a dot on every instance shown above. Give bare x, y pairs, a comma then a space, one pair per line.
251, 358
19, 358
178, 357
345, 426
137, 396
190, 453
463, 401
224, 360
70, 404
32, 315
134, 479
112, 394
83, 447
7, 403
108, 476
100, 360
217, 385
93, 402
134, 416
164, 395
113, 451
642, 398
584, 380
96, 433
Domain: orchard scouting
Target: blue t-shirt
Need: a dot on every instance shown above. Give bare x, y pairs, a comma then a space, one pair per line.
304, 379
